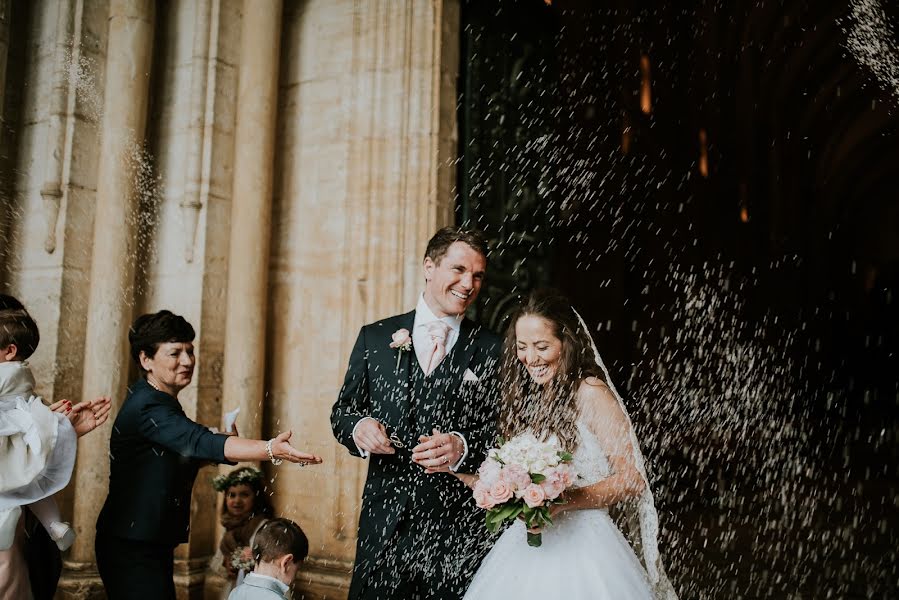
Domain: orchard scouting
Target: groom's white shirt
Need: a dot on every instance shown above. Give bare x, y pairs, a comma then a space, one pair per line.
421, 341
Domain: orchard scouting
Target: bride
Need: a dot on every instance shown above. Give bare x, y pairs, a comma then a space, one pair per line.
555, 385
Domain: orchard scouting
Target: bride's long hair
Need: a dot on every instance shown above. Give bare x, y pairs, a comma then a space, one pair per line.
550, 408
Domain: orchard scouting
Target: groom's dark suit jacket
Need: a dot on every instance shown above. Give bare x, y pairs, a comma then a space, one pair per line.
388, 385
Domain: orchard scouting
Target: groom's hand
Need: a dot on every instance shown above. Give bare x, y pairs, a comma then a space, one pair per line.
438, 452
371, 436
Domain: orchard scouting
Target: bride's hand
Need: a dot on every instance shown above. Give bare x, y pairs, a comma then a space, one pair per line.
466, 478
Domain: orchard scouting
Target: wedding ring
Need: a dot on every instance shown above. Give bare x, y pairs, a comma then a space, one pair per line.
395, 440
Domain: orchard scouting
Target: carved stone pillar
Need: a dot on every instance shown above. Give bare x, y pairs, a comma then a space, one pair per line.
366, 167
251, 202
115, 238
52, 188
4, 185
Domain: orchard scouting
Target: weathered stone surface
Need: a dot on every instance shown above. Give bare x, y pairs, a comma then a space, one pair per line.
361, 173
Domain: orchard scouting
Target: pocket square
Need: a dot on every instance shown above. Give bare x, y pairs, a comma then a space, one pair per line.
470, 376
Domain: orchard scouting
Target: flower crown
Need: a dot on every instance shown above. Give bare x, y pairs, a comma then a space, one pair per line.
247, 476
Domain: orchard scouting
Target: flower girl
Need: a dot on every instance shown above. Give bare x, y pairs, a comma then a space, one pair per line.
245, 508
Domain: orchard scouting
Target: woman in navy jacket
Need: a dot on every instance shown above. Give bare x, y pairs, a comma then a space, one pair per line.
155, 451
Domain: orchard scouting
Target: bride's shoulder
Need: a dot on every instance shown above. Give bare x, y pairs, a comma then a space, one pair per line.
593, 389
594, 396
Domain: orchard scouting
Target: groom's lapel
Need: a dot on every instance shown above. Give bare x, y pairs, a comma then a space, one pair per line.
403, 369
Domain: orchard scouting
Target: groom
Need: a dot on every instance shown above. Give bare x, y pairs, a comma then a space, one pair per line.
419, 399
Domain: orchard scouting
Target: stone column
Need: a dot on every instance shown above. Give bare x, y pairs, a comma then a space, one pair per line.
365, 174
4, 49
251, 206
106, 361
52, 188
5, 186
197, 130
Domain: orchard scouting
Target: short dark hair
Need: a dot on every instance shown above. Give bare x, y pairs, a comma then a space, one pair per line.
17, 327
10, 303
149, 331
277, 538
446, 237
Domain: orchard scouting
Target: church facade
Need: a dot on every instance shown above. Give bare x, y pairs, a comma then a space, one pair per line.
270, 170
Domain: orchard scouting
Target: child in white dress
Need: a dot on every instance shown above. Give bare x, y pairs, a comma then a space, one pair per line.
37, 445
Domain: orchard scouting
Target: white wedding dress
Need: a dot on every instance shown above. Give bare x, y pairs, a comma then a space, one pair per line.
583, 555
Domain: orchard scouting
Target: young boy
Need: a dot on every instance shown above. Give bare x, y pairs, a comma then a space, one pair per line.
37, 443
279, 548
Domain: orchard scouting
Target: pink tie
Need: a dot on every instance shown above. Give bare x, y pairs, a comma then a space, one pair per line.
438, 330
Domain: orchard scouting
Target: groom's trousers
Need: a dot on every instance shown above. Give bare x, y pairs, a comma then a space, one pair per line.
418, 563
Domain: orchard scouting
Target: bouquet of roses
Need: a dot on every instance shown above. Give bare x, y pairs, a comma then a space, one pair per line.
523, 478
242, 558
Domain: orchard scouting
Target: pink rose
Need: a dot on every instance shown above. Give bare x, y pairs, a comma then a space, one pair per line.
534, 496
566, 474
553, 485
400, 338
500, 491
516, 476
483, 498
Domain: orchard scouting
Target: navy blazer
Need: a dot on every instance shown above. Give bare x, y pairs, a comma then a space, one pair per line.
155, 451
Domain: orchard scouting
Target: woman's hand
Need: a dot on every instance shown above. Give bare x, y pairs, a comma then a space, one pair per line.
89, 414
63, 406
554, 510
282, 449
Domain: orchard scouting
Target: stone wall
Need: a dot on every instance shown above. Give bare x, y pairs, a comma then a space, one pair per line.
361, 170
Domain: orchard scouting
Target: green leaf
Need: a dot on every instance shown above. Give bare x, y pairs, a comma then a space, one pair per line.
538, 477
566, 456
509, 511
493, 516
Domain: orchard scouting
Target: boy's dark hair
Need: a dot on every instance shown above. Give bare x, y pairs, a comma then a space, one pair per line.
149, 331
446, 237
10, 303
17, 327
277, 538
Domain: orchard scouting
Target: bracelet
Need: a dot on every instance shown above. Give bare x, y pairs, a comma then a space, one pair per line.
271, 457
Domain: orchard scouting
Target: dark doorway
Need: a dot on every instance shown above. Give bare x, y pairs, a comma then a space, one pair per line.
713, 189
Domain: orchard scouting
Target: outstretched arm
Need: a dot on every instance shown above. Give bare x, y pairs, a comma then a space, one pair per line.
238, 449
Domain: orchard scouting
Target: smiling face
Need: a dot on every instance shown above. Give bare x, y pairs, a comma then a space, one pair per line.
537, 347
171, 368
239, 500
453, 282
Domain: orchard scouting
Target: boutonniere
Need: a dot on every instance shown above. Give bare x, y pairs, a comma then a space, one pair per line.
402, 341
